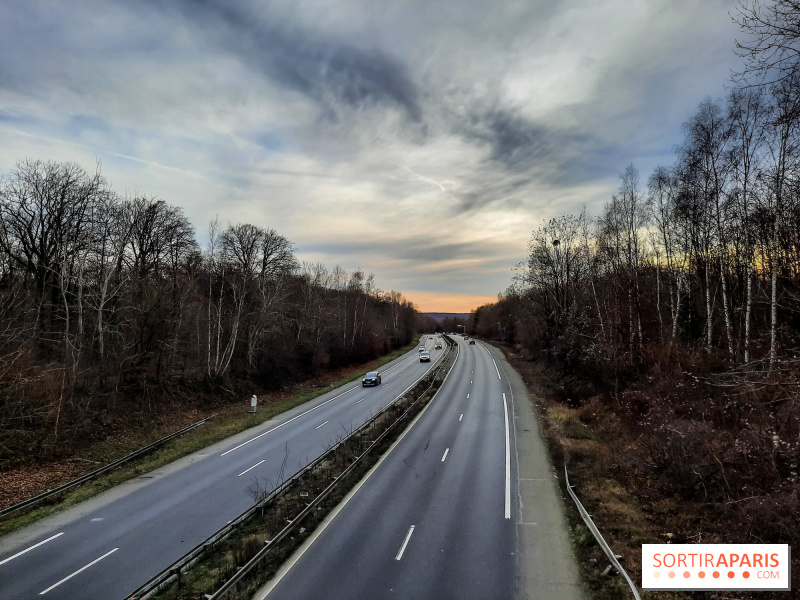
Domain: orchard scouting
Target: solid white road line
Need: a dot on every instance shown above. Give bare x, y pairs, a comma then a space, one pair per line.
289, 421
405, 543
318, 426
445, 454
68, 577
461, 417
360, 401
265, 591
10, 558
496, 369
508, 461
251, 468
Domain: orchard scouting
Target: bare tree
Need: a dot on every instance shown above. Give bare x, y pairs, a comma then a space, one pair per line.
748, 112
784, 152
771, 46
663, 194
621, 229
558, 264
45, 213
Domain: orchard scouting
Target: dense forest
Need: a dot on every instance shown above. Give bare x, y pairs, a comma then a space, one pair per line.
109, 303
676, 309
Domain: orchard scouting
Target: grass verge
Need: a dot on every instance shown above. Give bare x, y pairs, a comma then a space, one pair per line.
324, 484
222, 426
587, 439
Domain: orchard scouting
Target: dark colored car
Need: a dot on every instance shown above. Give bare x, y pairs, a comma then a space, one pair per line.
472, 342
371, 378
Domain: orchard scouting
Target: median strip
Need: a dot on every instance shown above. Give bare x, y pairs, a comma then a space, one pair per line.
237, 560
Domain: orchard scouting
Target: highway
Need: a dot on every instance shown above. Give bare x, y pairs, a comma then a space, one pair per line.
110, 545
437, 517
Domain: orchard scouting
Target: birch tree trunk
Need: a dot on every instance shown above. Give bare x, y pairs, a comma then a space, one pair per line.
709, 315
728, 327
747, 311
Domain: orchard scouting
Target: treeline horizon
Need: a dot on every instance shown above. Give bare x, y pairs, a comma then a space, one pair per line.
705, 254
673, 315
109, 303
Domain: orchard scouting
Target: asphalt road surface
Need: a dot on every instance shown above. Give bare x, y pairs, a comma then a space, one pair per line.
437, 518
107, 547
465, 506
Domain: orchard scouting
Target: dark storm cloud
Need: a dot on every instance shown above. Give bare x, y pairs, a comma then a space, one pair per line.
514, 141
520, 152
325, 68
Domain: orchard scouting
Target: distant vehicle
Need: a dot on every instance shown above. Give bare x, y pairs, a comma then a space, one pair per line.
472, 342
425, 356
421, 349
466, 337
438, 347
371, 378
430, 337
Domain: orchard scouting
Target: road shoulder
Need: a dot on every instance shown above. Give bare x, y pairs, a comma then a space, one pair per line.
546, 565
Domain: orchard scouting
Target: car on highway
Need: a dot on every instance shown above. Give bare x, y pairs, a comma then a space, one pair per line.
472, 342
425, 356
466, 337
421, 349
438, 347
371, 378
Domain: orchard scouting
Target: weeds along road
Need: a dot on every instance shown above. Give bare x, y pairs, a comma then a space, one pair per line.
437, 517
110, 545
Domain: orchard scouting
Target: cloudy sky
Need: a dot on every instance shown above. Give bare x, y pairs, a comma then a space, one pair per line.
421, 140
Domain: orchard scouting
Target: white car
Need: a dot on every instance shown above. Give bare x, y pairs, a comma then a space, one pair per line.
438, 347
421, 349
425, 356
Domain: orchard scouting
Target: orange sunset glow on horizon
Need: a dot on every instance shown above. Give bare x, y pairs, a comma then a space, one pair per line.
447, 303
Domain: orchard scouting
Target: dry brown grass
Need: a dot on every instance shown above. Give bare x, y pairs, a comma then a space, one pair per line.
589, 438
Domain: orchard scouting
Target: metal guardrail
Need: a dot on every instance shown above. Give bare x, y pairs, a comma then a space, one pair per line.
587, 518
228, 585
176, 568
247, 567
100, 471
